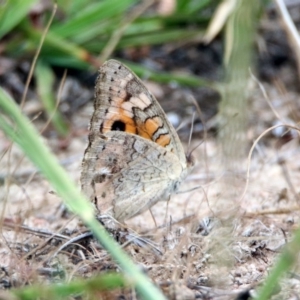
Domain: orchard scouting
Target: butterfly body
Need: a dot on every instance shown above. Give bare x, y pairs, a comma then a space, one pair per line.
134, 157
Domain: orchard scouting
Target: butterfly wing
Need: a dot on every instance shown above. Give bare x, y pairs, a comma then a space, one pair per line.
122, 102
124, 174
134, 157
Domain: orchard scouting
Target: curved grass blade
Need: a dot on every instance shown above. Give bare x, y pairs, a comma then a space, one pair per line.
12, 12
19, 129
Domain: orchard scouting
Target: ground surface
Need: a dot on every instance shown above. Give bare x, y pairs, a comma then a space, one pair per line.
212, 242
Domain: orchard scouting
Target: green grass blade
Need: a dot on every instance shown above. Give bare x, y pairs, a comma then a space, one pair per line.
158, 37
45, 81
286, 261
12, 120
93, 14
187, 80
72, 7
66, 61
12, 12
101, 30
191, 6
89, 287
55, 44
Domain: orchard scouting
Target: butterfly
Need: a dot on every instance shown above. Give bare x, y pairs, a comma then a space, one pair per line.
134, 157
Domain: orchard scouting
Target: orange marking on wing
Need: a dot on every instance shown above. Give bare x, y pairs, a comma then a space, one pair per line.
117, 114
147, 129
163, 140
130, 124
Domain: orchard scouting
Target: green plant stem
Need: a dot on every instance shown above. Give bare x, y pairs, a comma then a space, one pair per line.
188, 80
287, 259
45, 81
99, 283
